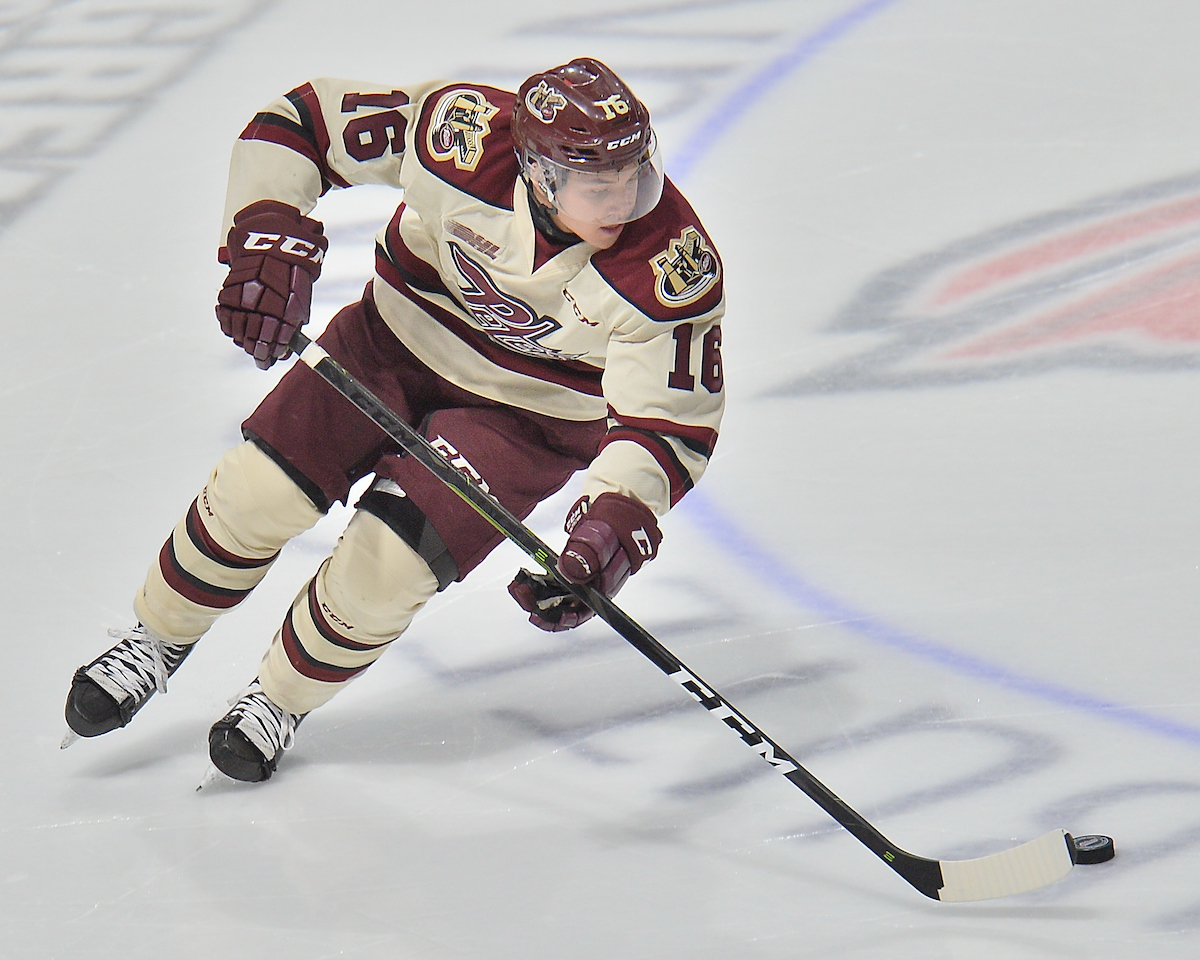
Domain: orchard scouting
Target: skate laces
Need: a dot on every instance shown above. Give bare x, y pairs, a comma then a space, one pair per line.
138, 665
263, 722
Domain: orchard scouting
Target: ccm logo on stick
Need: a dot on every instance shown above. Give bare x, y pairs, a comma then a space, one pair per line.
293, 246
712, 701
458, 461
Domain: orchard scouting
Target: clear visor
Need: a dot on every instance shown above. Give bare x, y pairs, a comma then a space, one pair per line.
605, 198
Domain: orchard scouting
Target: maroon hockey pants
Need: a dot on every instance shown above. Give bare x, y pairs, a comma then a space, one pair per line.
326, 444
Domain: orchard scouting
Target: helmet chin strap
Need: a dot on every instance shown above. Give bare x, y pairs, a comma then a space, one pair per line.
543, 218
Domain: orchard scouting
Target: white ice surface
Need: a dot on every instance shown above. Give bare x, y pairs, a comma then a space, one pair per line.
962, 589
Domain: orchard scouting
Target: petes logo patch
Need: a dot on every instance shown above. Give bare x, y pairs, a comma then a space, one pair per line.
544, 102
458, 128
686, 270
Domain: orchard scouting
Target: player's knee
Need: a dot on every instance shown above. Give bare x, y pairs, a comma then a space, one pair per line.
258, 506
375, 582
387, 501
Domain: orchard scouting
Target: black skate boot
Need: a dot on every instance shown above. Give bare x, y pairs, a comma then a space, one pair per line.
245, 744
112, 688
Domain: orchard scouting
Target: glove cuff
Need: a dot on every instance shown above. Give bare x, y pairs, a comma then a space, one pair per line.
276, 208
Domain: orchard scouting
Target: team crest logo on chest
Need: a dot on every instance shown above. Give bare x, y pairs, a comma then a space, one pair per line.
510, 322
460, 123
686, 270
544, 102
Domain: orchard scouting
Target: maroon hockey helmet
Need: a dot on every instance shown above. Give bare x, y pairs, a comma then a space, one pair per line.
581, 121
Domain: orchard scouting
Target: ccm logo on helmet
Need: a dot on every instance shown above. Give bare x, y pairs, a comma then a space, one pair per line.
617, 144
292, 246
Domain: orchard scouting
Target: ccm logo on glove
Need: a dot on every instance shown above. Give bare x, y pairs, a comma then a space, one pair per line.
289, 246
274, 256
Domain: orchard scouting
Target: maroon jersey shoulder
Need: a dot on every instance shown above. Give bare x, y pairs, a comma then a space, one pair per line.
665, 264
464, 138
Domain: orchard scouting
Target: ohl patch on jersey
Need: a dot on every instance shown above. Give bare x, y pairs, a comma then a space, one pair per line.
461, 121
686, 270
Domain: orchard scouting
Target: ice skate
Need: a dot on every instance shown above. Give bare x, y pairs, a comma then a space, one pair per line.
246, 743
111, 689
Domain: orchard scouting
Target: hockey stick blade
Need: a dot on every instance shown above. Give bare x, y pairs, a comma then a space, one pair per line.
1026, 867
1030, 866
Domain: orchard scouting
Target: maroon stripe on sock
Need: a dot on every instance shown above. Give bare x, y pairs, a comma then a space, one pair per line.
202, 540
327, 631
309, 666
191, 587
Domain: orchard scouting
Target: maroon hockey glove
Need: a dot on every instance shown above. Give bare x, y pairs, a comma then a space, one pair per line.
608, 542
274, 255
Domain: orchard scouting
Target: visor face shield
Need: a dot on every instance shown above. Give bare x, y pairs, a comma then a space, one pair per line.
605, 198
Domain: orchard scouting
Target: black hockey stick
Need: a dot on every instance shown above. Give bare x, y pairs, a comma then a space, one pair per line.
1026, 867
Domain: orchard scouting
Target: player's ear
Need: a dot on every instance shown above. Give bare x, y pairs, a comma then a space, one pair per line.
541, 194
534, 175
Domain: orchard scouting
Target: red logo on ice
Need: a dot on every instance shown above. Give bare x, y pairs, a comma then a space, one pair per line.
1113, 283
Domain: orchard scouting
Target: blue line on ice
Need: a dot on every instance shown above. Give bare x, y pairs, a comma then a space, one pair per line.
772, 569
743, 98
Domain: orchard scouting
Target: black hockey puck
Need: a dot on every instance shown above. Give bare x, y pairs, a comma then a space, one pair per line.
1093, 849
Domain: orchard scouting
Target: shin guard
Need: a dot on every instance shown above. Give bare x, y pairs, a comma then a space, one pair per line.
223, 546
362, 598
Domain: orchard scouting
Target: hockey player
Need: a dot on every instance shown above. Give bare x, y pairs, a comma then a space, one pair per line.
544, 301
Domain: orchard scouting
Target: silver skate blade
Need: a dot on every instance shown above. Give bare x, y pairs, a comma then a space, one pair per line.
69, 739
211, 776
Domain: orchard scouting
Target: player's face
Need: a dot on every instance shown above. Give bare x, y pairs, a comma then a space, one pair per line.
606, 198
596, 206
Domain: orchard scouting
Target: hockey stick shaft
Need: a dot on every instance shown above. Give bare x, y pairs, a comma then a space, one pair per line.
922, 873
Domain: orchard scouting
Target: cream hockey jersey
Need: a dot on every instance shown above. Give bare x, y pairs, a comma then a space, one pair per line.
469, 285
